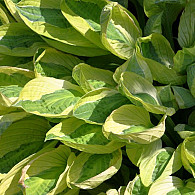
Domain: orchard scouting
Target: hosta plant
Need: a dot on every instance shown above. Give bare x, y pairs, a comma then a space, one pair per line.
97, 97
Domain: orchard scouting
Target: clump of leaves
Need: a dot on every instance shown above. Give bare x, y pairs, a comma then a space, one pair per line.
97, 97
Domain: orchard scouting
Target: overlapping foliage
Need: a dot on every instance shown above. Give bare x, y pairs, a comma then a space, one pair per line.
95, 100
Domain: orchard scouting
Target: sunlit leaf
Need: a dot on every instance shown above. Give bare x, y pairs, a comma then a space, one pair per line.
25, 133
183, 97
188, 154
84, 16
137, 152
90, 78
46, 96
38, 178
119, 29
134, 64
160, 164
18, 40
131, 123
171, 185
186, 35
85, 137
158, 55
142, 93
136, 187
90, 170
47, 20
52, 63
96, 106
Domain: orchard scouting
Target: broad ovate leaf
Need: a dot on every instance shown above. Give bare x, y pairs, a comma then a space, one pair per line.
119, 30
96, 106
90, 170
152, 7
162, 14
136, 187
82, 136
90, 78
157, 48
14, 76
172, 185
183, 59
183, 97
50, 97
84, 16
47, 20
186, 34
141, 92
9, 184
25, 133
16, 39
15, 61
191, 78
137, 152
158, 55
160, 164
153, 24
53, 63
131, 123
134, 64
61, 185
166, 96
38, 178
165, 185
188, 154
